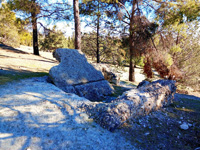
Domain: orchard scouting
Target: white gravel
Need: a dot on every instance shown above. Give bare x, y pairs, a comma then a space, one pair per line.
36, 115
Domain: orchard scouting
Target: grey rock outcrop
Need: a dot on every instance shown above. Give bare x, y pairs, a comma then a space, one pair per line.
75, 75
133, 103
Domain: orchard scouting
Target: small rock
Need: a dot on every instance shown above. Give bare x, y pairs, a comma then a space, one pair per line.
147, 133
184, 126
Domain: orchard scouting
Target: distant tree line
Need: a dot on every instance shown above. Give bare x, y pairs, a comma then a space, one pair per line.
53, 39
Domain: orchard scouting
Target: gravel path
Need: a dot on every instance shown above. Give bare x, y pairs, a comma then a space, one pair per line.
36, 115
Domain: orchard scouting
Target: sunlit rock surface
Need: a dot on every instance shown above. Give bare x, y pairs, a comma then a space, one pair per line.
133, 103
75, 75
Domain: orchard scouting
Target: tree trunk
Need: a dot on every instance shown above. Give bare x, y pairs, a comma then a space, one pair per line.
131, 43
77, 25
35, 35
98, 17
131, 67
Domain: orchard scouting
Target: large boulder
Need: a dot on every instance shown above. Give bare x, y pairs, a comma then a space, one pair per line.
133, 103
75, 75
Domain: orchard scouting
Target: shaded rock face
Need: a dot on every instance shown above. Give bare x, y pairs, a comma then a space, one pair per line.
133, 103
143, 83
94, 90
108, 74
75, 75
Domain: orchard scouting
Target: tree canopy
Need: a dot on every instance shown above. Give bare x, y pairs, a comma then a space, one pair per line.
13, 30
34, 10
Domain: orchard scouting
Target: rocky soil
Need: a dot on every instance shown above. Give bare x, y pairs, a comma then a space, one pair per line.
171, 128
35, 114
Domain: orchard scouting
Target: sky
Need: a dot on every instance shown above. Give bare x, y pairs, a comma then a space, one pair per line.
68, 27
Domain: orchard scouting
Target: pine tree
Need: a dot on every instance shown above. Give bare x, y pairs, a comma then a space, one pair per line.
53, 39
95, 10
35, 9
140, 29
8, 30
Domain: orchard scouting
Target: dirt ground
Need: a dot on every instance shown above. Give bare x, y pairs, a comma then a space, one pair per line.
22, 61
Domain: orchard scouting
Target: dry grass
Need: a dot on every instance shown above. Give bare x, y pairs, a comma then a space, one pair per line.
13, 59
16, 64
